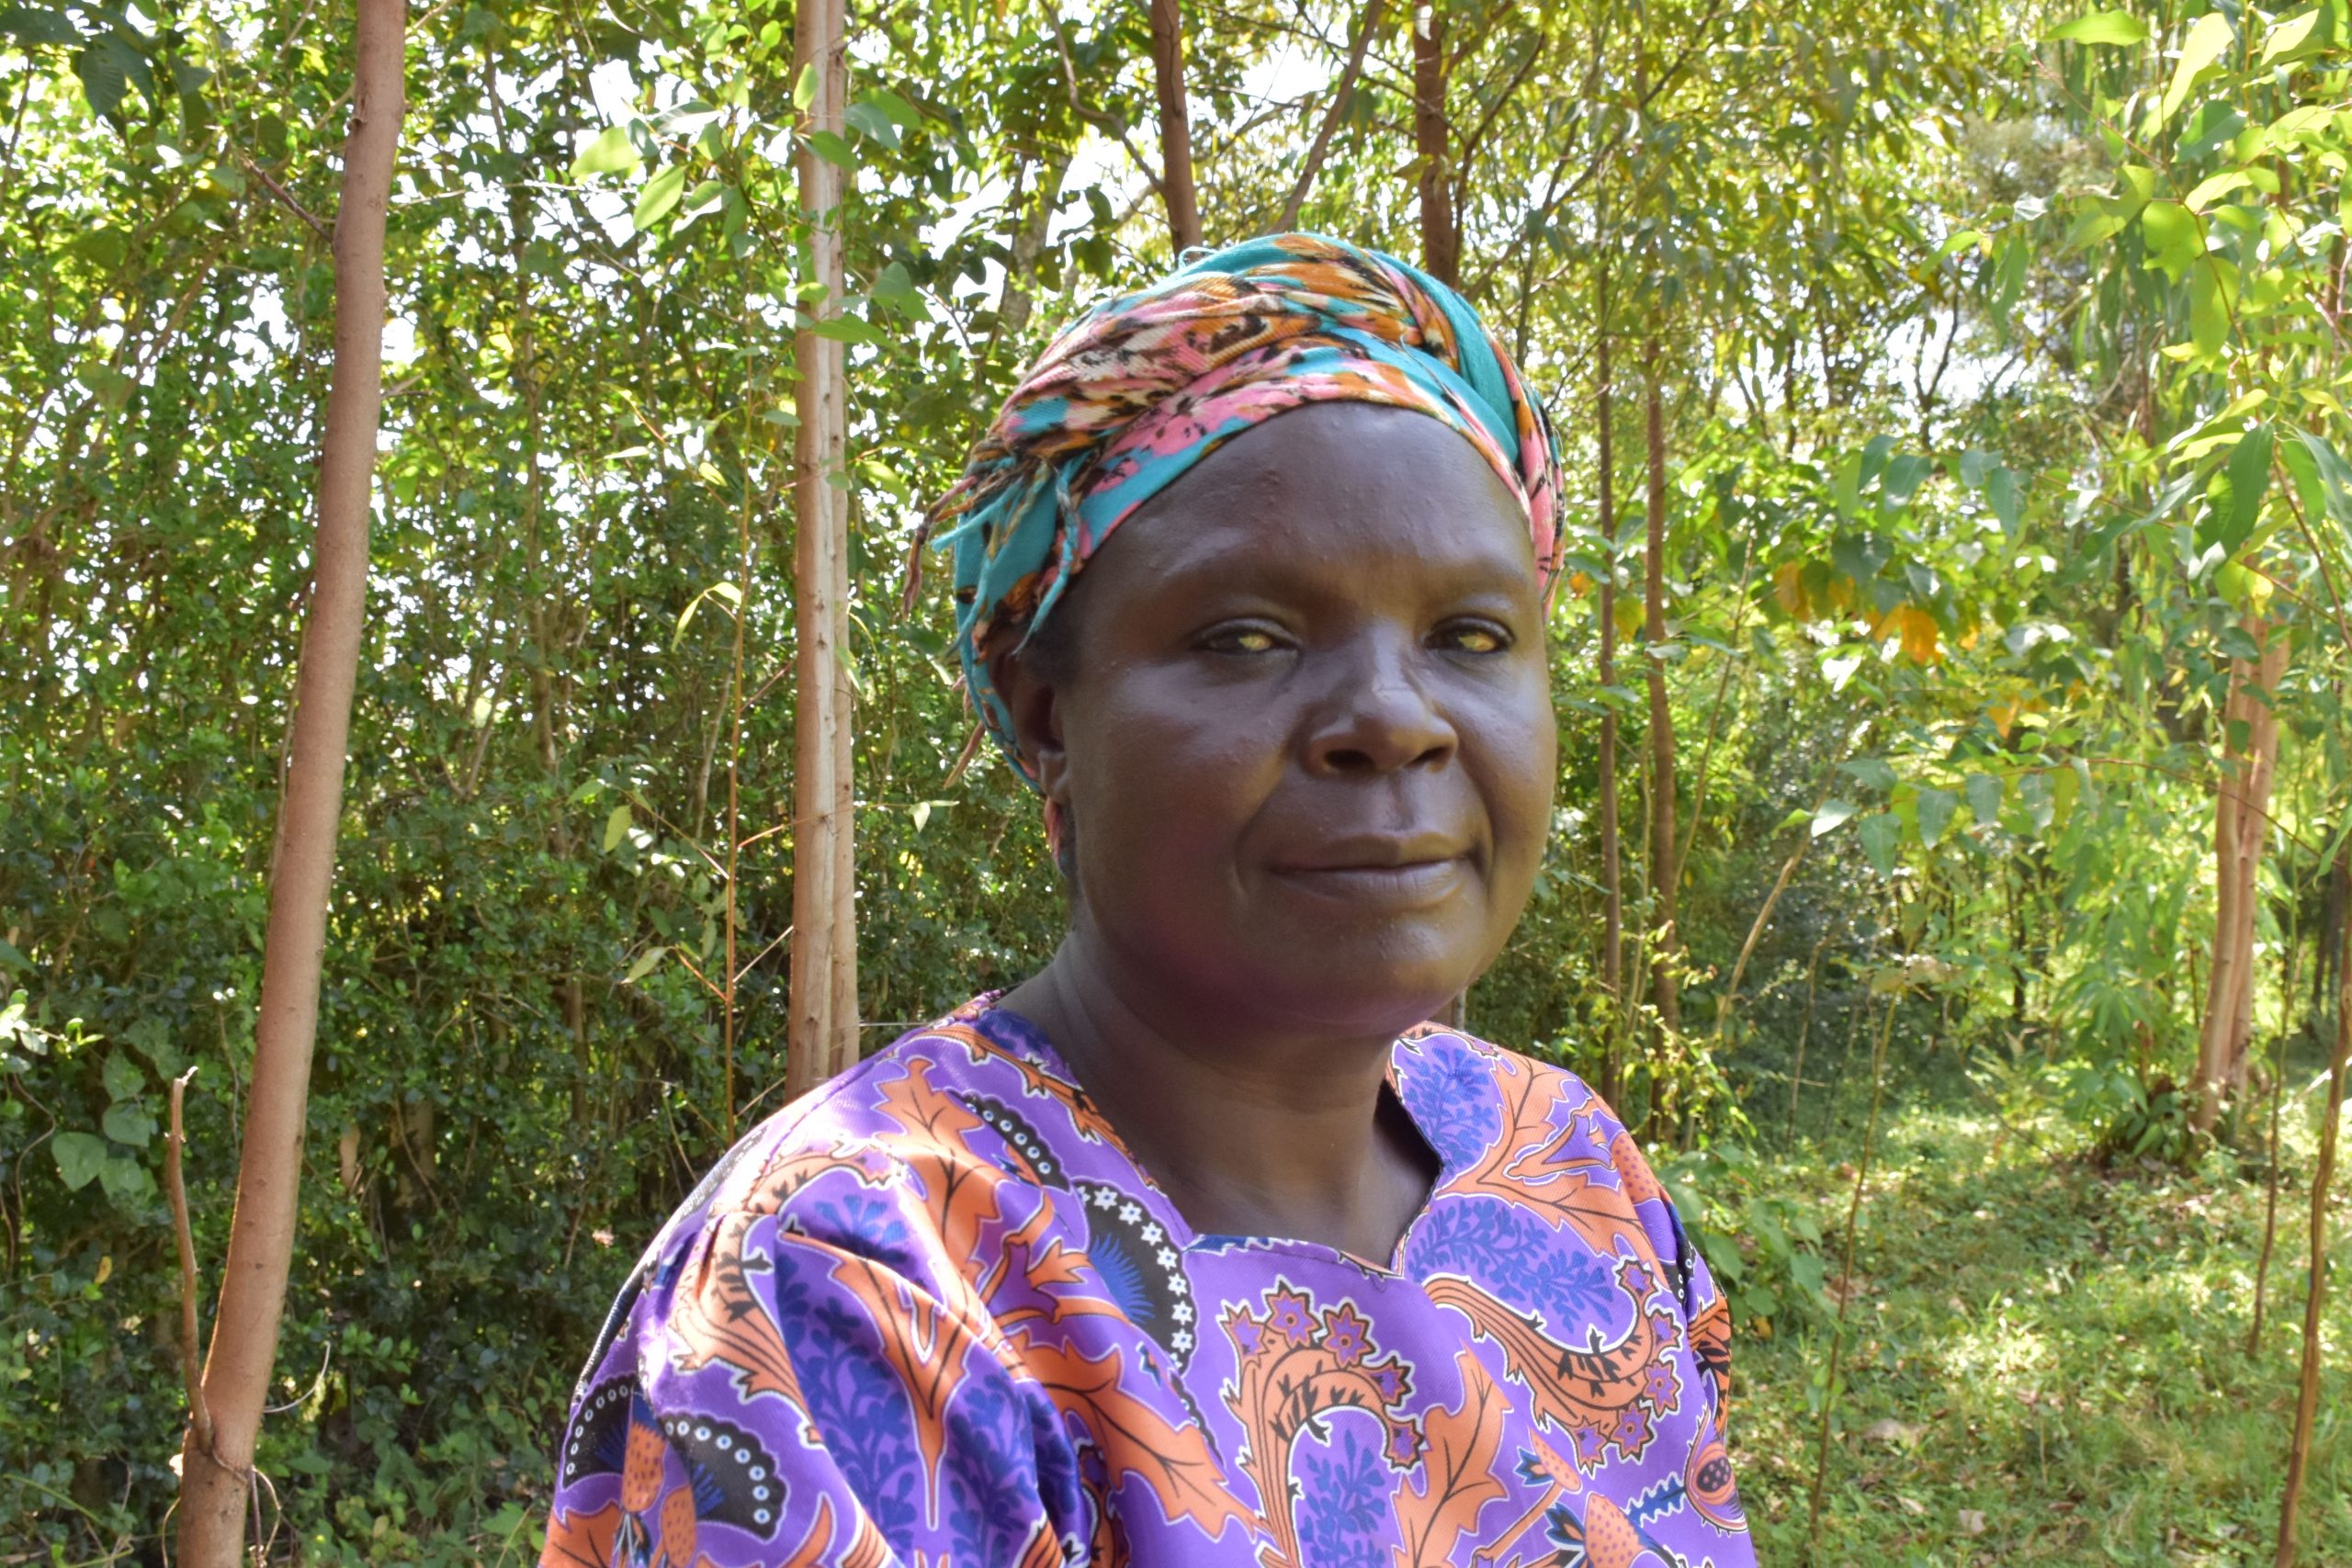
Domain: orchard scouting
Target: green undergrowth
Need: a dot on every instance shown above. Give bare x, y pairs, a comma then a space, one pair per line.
2046, 1360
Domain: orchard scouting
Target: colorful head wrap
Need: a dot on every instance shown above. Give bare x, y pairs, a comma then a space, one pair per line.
1141, 388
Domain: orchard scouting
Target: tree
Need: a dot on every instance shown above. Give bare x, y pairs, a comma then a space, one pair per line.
1440, 243
1665, 867
224, 1426
824, 912
1175, 124
2240, 826
1613, 927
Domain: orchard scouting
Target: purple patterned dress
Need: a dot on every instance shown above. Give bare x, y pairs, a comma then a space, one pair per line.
936, 1315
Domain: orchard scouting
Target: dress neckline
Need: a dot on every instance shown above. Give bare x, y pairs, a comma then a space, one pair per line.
1022, 1035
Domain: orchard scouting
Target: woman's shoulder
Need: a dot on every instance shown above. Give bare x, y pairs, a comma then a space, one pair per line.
864, 1161
1523, 1123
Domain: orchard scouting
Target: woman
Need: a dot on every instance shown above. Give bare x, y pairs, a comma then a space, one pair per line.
1198, 1247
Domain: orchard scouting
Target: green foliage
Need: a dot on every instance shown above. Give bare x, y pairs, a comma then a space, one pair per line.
2001, 393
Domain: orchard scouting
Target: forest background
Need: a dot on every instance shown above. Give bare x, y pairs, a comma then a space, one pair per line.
1950, 879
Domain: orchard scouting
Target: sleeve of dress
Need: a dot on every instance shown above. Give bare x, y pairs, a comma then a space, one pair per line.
775, 1398
1706, 1311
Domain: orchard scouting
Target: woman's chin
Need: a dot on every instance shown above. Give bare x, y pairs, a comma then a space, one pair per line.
1341, 1004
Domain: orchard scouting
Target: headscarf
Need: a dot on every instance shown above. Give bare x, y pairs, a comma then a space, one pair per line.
1143, 387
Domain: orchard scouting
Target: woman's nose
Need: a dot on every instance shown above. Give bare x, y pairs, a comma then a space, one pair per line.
1378, 716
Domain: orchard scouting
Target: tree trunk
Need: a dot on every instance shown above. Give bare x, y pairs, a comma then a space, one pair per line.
1664, 868
1175, 124
2335, 905
823, 1027
1612, 884
2299, 1444
1441, 246
218, 1455
2241, 820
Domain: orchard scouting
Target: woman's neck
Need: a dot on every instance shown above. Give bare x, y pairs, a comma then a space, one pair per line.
1252, 1130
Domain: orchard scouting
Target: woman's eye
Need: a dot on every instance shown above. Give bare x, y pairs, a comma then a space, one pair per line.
1241, 639
1474, 637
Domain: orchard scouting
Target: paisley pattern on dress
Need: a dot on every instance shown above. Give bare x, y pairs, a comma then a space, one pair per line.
936, 1315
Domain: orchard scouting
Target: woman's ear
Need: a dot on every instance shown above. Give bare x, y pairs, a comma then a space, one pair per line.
1035, 700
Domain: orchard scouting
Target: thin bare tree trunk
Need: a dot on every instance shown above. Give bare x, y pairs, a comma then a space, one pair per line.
1441, 246
1342, 97
2277, 1099
823, 1026
2299, 1447
1804, 1032
1845, 1276
1613, 879
1175, 124
217, 1482
2241, 810
1730, 997
1664, 868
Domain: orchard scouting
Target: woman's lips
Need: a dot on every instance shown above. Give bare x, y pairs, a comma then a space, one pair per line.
1412, 884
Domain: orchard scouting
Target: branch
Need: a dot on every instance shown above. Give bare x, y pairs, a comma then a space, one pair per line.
1096, 117
1342, 97
199, 1414
284, 199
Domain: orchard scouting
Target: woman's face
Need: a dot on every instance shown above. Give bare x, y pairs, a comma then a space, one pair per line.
1305, 743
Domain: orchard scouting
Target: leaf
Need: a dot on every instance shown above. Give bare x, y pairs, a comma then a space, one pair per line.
2171, 233
834, 149
1871, 771
1904, 476
683, 120
122, 1078
1882, 834
869, 120
661, 194
1832, 816
30, 25
899, 112
80, 1156
2009, 277
895, 288
803, 88
2207, 39
128, 1123
1913, 628
124, 1178
2249, 474
844, 329
1983, 792
107, 67
1961, 240
1934, 808
2286, 37
617, 827
2001, 495
611, 153
2334, 476
2209, 311
2102, 27
2214, 187
108, 385
644, 965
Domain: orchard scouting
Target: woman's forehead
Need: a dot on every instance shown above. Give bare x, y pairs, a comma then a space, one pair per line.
1329, 490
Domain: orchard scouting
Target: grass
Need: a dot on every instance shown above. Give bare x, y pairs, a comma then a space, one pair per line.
2045, 1361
